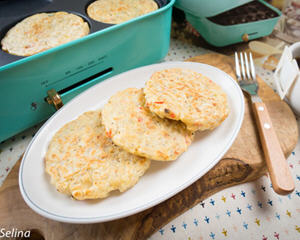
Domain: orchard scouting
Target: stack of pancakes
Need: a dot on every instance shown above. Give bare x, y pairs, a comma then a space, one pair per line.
110, 149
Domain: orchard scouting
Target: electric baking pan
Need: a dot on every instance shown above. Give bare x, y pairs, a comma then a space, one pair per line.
28, 85
226, 22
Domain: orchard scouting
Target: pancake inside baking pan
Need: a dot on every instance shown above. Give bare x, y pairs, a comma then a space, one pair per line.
118, 11
43, 31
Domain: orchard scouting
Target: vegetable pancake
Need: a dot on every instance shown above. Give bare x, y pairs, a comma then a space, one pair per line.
43, 31
84, 163
133, 127
183, 94
118, 11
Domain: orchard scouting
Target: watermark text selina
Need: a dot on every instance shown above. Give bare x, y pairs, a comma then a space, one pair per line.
13, 233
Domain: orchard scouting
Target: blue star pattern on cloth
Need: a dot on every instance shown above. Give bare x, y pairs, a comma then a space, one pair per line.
228, 213
262, 215
196, 222
270, 202
259, 204
212, 235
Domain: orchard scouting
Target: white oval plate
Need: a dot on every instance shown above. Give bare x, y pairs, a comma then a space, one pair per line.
161, 181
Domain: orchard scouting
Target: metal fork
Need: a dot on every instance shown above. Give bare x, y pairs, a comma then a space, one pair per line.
280, 174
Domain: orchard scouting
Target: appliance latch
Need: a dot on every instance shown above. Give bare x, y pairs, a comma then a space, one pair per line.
54, 98
245, 37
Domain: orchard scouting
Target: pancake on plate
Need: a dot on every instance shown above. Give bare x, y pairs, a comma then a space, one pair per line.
183, 94
133, 127
118, 11
84, 163
42, 31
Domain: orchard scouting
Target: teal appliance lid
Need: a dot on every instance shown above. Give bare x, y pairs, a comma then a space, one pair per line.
208, 8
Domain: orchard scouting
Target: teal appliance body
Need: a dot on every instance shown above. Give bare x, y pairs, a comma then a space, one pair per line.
73, 67
226, 22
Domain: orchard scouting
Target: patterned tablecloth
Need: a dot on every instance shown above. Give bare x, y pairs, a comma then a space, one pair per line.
247, 211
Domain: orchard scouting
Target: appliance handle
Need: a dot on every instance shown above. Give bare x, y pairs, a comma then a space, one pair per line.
55, 97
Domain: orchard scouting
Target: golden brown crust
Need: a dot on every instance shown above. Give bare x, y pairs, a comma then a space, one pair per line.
118, 11
43, 31
133, 127
183, 94
83, 162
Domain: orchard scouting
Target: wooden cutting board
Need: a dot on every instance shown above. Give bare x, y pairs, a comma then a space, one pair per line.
243, 162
